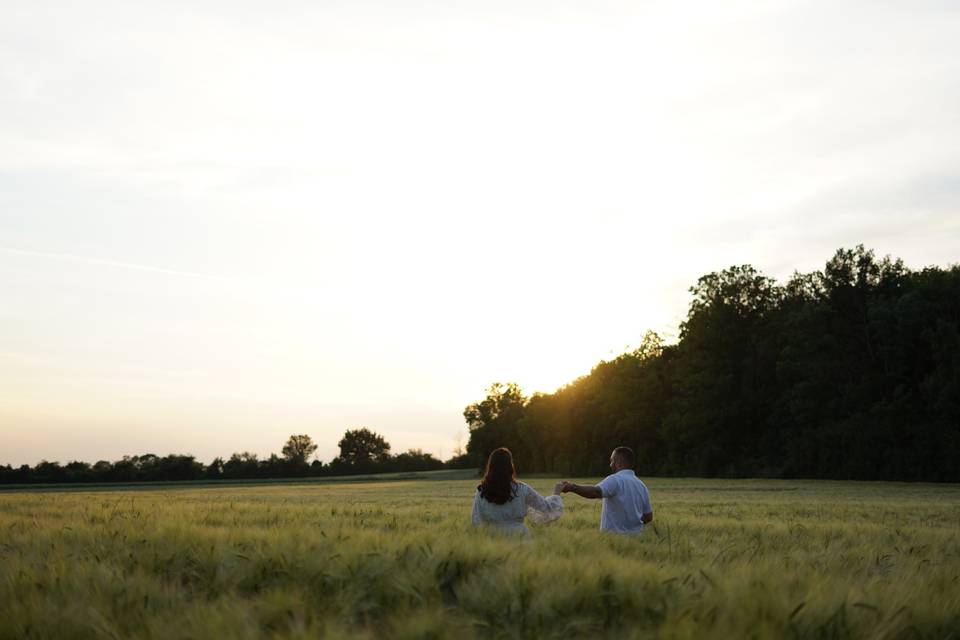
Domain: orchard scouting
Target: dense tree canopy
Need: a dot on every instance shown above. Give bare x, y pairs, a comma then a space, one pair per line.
848, 372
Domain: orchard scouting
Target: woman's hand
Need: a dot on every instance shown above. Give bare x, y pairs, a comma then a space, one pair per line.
558, 488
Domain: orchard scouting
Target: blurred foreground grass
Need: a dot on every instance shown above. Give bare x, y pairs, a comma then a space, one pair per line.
725, 559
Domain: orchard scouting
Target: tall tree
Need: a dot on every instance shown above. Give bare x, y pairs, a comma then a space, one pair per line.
360, 447
298, 448
494, 420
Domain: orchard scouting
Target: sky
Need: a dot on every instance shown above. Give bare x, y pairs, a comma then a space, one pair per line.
223, 223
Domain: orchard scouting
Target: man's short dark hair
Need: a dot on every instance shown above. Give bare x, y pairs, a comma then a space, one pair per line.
626, 456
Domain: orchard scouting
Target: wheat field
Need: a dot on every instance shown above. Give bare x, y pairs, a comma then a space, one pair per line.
725, 559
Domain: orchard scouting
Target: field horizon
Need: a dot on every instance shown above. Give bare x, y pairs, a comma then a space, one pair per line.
402, 476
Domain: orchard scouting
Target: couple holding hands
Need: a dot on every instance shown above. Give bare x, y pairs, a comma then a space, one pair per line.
502, 501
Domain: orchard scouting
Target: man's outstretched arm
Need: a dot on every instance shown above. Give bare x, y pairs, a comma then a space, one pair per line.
583, 490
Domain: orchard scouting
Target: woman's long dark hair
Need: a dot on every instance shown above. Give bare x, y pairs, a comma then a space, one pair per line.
499, 480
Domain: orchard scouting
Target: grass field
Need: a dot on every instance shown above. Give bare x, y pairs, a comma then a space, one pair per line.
725, 559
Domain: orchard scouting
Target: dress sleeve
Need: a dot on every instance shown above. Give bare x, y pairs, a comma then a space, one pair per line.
540, 509
475, 518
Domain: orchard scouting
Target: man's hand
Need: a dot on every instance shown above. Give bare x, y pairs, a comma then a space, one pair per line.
565, 486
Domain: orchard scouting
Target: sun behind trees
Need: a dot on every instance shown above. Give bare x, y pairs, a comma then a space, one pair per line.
848, 372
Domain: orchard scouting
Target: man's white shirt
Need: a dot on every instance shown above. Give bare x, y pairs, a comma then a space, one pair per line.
625, 500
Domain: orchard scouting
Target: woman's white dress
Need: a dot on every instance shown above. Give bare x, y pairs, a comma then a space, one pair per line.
509, 515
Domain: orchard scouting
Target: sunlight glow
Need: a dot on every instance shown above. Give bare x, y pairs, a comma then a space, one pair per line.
307, 218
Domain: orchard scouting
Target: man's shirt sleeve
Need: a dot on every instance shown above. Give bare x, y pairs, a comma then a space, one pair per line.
608, 486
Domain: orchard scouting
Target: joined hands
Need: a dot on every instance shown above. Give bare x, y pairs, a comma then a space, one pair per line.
562, 487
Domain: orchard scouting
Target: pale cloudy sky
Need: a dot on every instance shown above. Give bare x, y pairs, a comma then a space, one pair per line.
225, 222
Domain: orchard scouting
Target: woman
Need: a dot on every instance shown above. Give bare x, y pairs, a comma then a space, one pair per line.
502, 501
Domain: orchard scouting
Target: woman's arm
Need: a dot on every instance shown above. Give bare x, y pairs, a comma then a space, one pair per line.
540, 509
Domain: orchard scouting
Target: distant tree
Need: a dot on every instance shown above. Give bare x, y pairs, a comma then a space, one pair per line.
462, 461
274, 467
78, 471
123, 470
298, 449
21, 475
49, 472
361, 447
214, 470
179, 467
148, 467
101, 470
241, 465
414, 460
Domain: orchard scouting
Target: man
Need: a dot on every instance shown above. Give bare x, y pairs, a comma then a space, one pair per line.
626, 501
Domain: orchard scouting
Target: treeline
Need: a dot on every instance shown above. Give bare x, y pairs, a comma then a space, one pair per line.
852, 372
361, 451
